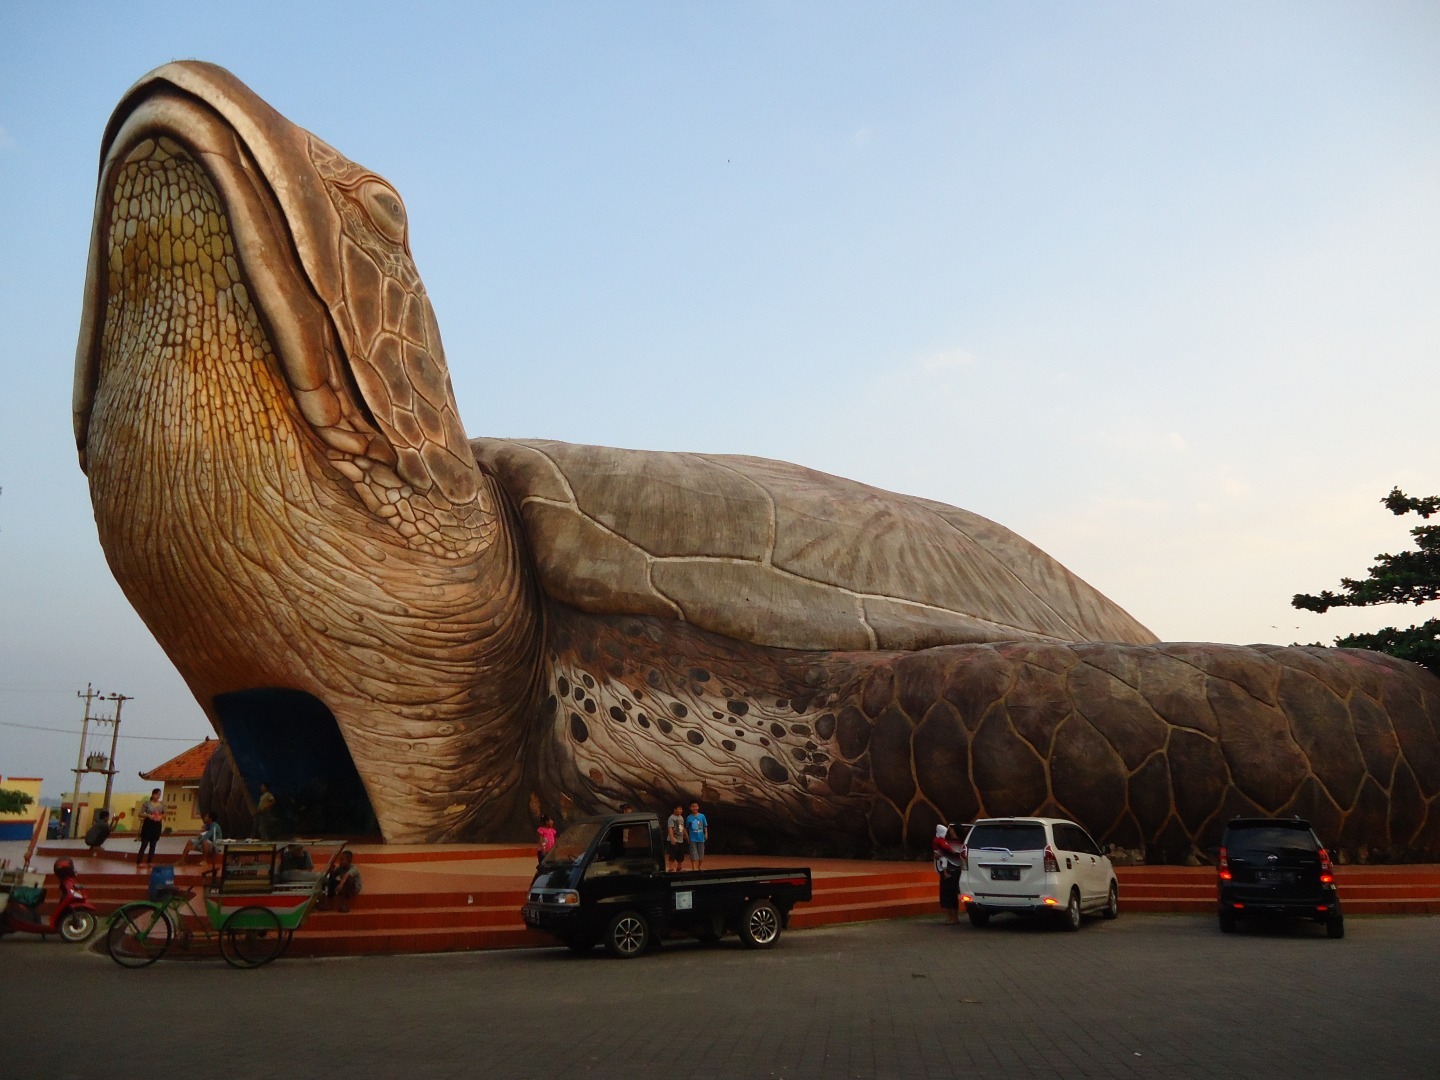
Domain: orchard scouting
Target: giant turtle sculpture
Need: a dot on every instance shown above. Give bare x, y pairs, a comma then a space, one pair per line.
455, 634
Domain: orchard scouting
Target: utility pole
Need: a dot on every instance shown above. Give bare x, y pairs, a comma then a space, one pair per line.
119, 700
95, 762
80, 770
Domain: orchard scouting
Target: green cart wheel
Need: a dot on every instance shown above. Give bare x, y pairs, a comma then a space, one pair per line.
251, 937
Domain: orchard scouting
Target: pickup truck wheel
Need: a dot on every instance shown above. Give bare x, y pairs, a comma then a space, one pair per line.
760, 925
627, 936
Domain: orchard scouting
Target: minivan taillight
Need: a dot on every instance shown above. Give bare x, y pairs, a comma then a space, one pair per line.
1052, 864
1327, 872
1224, 865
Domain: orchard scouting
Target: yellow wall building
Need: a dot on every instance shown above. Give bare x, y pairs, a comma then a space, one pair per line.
121, 802
20, 824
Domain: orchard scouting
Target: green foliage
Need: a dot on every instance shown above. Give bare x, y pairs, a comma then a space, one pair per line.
1411, 577
12, 802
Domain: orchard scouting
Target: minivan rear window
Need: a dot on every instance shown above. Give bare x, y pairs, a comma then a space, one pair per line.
1011, 835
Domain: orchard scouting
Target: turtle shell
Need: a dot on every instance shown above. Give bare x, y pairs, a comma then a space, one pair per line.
777, 554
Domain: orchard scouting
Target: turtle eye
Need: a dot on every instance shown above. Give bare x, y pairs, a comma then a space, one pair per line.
386, 210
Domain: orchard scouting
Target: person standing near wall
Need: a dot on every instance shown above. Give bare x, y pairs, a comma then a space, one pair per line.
544, 838
152, 822
697, 828
265, 813
675, 839
946, 851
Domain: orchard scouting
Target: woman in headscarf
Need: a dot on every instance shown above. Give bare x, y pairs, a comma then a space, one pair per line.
946, 849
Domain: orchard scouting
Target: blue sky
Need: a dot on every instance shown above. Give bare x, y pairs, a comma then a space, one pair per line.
1152, 284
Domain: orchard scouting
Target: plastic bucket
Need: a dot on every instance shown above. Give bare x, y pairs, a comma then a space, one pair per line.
162, 880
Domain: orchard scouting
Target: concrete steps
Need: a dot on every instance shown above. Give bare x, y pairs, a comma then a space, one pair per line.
466, 897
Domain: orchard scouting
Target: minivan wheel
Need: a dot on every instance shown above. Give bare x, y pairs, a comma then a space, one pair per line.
1335, 927
977, 916
1072, 912
1111, 909
1227, 922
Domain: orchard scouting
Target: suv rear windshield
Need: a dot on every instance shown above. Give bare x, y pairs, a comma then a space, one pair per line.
1270, 837
1011, 835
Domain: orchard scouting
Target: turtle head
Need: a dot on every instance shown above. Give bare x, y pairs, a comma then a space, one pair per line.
206, 191
281, 483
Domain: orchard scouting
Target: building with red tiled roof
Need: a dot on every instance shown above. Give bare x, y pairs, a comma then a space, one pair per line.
179, 779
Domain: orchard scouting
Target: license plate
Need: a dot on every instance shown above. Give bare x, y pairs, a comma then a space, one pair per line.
1273, 877
530, 911
1004, 873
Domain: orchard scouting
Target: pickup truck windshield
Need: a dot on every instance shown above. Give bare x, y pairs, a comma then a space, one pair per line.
572, 843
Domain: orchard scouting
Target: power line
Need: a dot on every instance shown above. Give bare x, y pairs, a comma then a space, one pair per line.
72, 731
32, 690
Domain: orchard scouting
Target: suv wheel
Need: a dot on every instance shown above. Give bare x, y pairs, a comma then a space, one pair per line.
1335, 927
1072, 912
1227, 922
978, 917
1111, 909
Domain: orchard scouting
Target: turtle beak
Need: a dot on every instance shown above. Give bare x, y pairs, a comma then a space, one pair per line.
359, 348
259, 163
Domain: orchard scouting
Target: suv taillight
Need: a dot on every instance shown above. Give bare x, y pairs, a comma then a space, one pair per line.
1224, 865
1327, 872
1052, 864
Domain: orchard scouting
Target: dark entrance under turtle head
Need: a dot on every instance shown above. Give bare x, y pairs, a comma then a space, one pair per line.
290, 741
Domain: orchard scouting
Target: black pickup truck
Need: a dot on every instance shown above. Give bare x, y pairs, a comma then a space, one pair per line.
605, 881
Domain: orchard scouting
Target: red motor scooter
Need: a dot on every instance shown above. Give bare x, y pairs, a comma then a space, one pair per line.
74, 917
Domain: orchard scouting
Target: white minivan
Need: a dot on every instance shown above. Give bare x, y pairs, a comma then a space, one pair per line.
1034, 865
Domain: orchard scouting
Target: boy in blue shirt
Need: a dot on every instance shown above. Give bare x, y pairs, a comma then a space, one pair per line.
697, 829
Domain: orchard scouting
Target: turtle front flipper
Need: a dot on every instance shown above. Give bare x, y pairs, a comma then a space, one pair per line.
1152, 748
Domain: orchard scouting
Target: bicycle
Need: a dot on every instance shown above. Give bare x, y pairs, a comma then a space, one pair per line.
141, 931
251, 906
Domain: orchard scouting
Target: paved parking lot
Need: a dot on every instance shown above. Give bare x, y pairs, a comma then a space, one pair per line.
1146, 996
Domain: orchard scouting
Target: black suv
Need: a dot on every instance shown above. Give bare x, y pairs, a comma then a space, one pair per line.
1277, 867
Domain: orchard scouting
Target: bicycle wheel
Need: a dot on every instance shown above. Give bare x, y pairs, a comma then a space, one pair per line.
251, 937
139, 934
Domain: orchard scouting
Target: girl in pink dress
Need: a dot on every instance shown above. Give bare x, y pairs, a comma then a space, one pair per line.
546, 833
